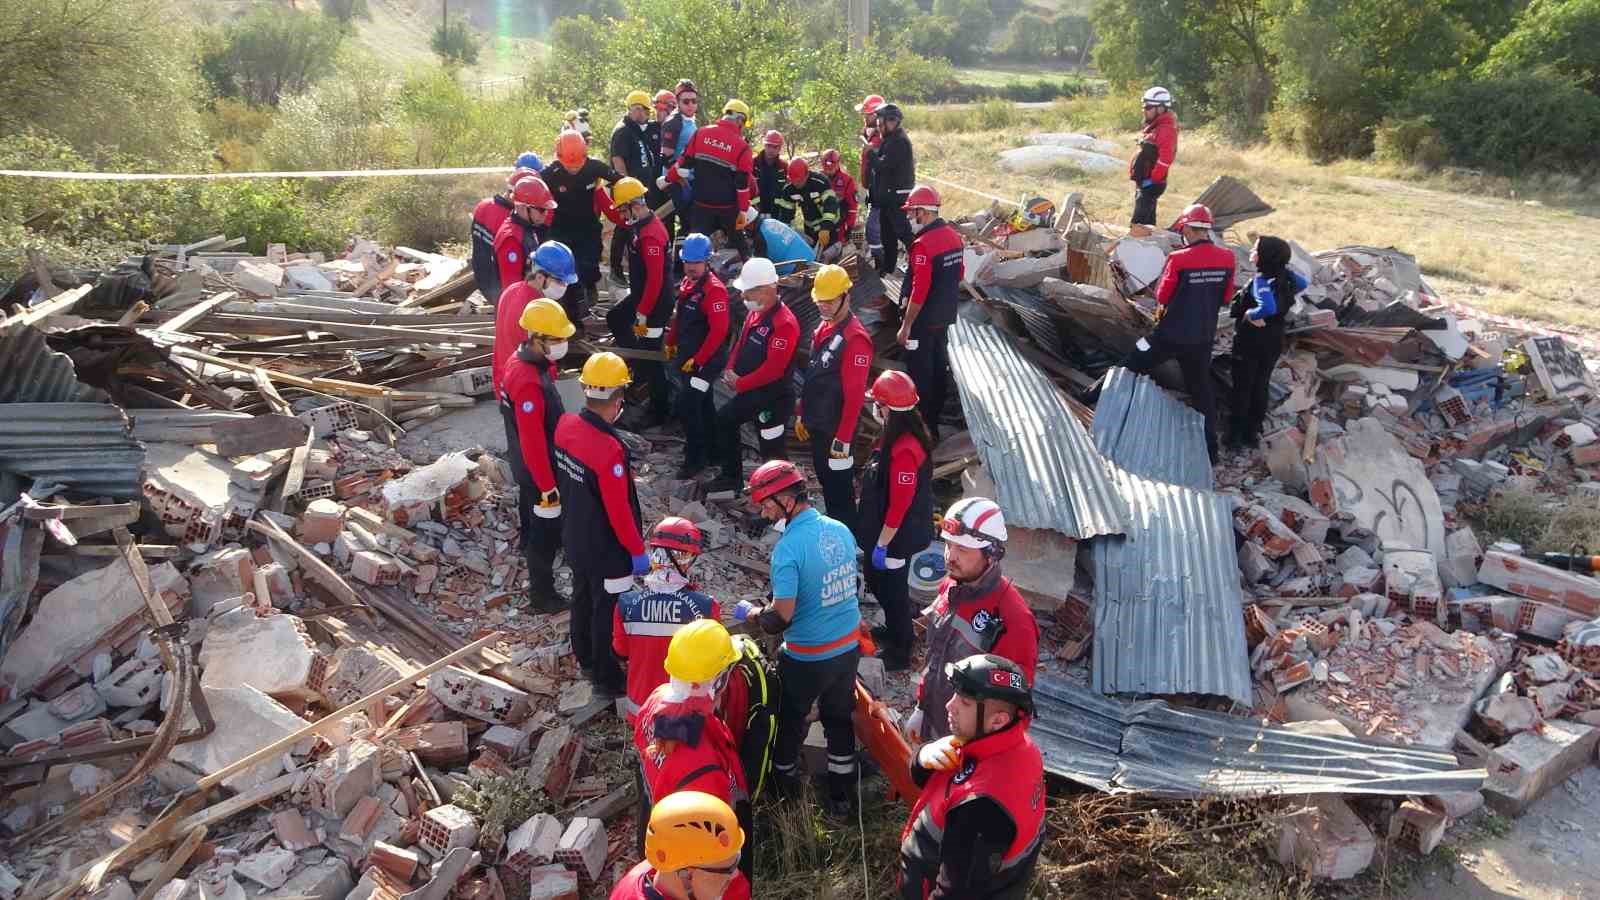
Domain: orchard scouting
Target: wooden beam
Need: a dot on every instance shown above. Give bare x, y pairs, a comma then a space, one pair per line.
192, 316
174, 862
62, 303
319, 571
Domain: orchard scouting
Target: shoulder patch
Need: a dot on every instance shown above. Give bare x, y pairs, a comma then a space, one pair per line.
779, 343
719, 306
511, 256
907, 478
616, 470
920, 259
527, 406
863, 359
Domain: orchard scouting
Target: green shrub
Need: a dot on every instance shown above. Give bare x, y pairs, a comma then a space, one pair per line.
1512, 125
455, 43
343, 122
263, 212
1561, 35
271, 53
1411, 141
422, 212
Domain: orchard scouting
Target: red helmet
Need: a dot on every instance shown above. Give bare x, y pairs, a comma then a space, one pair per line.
571, 149
922, 197
518, 175
774, 138
830, 160
665, 99
677, 533
870, 105
771, 477
895, 390
798, 170
532, 191
1198, 215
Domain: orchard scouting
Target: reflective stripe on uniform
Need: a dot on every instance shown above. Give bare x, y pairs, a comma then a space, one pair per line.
772, 433
652, 629
814, 649
618, 585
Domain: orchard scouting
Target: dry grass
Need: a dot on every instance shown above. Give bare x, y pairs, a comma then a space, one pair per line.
1541, 523
1517, 249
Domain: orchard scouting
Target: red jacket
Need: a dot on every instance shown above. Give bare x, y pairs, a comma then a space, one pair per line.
641, 631
508, 333
721, 162
700, 321
685, 746
835, 385
937, 267
636, 886
987, 616
536, 407
905, 466
511, 251
845, 188
647, 256
765, 347
1195, 285
1160, 133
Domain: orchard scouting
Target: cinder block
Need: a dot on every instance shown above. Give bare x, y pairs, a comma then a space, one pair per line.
1531, 763
372, 567
583, 851
1328, 840
446, 827
479, 696
343, 777
321, 522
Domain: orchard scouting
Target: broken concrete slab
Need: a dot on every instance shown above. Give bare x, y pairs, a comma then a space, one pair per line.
193, 492
325, 880
1522, 576
258, 278
247, 720
1462, 556
1327, 840
1367, 477
272, 654
1508, 714
1530, 764
479, 696
269, 868
340, 779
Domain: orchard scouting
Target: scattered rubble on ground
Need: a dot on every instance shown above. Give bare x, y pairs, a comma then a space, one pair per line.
227, 425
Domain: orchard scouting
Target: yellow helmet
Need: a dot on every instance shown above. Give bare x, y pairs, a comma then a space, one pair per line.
546, 318
831, 281
637, 98
602, 374
689, 829
699, 651
626, 190
736, 106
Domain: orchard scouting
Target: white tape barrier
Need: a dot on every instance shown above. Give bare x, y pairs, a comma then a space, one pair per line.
227, 176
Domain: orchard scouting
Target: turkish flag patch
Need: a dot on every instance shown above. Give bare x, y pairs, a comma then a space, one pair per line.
780, 343
863, 360
652, 251
920, 259
907, 478
720, 306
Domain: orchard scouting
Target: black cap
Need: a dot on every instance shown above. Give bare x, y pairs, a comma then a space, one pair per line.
890, 111
984, 676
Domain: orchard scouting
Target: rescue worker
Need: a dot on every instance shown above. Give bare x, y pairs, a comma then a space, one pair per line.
679, 128
647, 618
719, 161
666, 105
640, 319
975, 830
1194, 286
811, 194
601, 517
1158, 146
896, 513
575, 180
776, 241
699, 335
682, 742
521, 232
871, 139
844, 187
815, 606
547, 280
762, 359
487, 217
770, 171
530, 407
635, 153
894, 173
935, 288
833, 392
692, 848
978, 610
1259, 311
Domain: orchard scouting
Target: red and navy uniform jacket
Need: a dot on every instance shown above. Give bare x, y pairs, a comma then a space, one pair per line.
835, 385
721, 162
974, 832
650, 287
700, 323
814, 198
897, 490
508, 333
636, 886
765, 349
487, 218
844, 187
642, 629
871, 139
894, 169
514, 244
987, 616
528, 389
599, 503
770, 176
576, 221
1158, 145
1194, 287
935, 279
685, 746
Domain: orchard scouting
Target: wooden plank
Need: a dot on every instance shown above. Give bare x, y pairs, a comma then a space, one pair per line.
269, 394
192, 316
261, 433
318, 570
138, 309
62, 303
174, 862
295, 477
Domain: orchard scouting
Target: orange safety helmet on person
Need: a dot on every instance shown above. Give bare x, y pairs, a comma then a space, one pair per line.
798, 171
869, 105
774, 138
895, 390
571, 149
771, 477
532, 191
1197, 215
666, 99
922, 197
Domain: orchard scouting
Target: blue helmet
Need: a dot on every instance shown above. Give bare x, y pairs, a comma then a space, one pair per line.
530, 160
696, 248
555, 258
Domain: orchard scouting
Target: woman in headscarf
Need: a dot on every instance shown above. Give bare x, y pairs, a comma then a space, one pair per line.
1260, 309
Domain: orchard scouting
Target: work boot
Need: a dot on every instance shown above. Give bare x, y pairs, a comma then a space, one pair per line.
550, 604
895, 660
788, 785
880, 635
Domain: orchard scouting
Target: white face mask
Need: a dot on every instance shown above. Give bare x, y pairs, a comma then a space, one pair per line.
555, 351
780, 525
752, 305
553, 289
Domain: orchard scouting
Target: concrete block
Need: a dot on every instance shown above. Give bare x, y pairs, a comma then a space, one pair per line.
1527, 578
583, 850
354, 673
272, 654
325, 880
1508, 714
247, 720
479, 696
1531, 763
1462, 555
1254, 563
1284, 452
261, 279
1367, 476
397, 861
1417, 827
340, 779
1456, 805
321, 522
528, 848
1412, 577
509, 742
555, 762
438, 743
552, 882
308, 278
447, 827
1328, 840
290, 828
269, 868
372, 567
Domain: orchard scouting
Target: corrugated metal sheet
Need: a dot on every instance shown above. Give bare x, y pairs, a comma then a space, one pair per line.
1231, 202
1149, 746
87, 446
1040, 317
1044, 465
30, 372
1167, 616
1147, 432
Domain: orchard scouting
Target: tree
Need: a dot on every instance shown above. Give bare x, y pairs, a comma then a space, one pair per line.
455, 43
933, 36
1072, 36
271, 53
1029, 36
346, 11
573, 72
1561, 36
973, 21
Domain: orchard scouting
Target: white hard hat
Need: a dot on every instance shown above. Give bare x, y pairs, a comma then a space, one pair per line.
758, 272
974, 522
1158, 96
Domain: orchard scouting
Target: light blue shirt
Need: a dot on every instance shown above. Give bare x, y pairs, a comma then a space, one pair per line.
784, 244
815, 563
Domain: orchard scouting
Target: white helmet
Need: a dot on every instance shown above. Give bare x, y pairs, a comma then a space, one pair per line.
758, 272
1158, 96
975, 522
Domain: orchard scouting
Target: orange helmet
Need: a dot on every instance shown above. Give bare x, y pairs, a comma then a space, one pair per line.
571, 148
666, 99
798, 170
922, 197
870, 105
